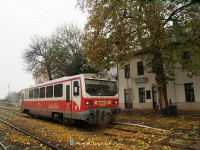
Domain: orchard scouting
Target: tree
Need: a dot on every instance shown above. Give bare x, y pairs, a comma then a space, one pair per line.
12, 97
159, 32
57, 56
38, 58
68, 52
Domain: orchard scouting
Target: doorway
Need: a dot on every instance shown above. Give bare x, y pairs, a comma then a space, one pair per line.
154, 97
128, 98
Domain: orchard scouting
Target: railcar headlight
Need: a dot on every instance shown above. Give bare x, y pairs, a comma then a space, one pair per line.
89, 102
114, 102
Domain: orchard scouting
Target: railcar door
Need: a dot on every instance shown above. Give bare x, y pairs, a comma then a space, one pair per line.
76, 95
21, 101
68, 99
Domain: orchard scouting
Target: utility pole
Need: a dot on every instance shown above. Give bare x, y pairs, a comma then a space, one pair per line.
8, 88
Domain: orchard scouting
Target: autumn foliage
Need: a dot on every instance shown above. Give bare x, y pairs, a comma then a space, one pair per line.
158, 32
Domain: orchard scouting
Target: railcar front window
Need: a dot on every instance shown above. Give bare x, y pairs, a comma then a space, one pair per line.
100, 87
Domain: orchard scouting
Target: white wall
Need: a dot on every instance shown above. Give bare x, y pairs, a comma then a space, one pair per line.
176, 91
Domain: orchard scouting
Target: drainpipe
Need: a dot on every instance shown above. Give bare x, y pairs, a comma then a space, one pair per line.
174, 81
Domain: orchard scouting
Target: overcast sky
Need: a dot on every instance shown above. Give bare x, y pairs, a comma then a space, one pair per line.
20, 20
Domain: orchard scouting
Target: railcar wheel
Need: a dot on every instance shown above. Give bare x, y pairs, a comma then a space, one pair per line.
68, 121
108, 119
32, 116
92, 120
57, 116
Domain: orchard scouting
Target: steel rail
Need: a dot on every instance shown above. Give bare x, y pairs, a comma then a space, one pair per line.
19, 114
138, 125
6, 107
31, 135
130, 130
2, 146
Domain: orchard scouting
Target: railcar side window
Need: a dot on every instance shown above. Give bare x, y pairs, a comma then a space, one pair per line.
76, 88
42, 92
58, 90
49, 91
22, 96
68, 93
26, 94
31, 94
36, 93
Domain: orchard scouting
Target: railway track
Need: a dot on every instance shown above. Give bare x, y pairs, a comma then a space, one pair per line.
46, 143
90, 134
107, 126
114, 123
134, 130
10, 108
124, 131
2, 146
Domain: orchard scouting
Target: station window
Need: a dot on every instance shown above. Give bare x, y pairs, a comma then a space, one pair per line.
49, 91
127, 71
42, 92
189, 92
140, 68
36, 93
31, 94
58, 90
186, 56
148, 94
141, 95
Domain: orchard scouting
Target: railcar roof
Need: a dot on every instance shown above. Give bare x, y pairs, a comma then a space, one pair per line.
87, 75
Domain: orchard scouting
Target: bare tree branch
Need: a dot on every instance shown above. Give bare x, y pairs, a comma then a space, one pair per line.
178, 10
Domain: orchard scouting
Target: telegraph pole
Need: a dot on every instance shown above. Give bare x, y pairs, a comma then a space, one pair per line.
8, 88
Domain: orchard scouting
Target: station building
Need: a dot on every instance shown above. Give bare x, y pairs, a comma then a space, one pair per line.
138, 89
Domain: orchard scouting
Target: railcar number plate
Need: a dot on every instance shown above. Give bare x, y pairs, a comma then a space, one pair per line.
102, 102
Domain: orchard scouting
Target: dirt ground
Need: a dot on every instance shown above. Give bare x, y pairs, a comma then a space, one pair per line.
176, 133
184, 128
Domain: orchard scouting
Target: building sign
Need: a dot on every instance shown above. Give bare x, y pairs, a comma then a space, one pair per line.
141, 80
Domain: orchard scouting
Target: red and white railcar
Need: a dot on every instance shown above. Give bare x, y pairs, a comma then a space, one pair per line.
82, 97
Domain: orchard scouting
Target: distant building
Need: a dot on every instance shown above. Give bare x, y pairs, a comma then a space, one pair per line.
137, 89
